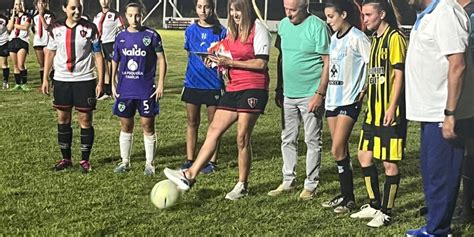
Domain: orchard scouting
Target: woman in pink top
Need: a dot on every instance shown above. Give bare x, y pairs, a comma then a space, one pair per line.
247, 47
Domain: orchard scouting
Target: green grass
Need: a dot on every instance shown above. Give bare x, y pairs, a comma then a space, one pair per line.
36, 201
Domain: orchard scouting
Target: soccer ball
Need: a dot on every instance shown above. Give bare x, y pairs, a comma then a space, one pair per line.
164, 194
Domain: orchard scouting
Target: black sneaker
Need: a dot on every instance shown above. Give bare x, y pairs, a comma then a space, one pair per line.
62, 165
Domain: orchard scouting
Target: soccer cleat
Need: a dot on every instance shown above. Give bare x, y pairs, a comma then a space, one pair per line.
307, 195
187, 164
149, 170
336, 201
86, 166
24, 87
62, 165
211, 167
178, 178
281, 189
5, 85
17, 87
122, 168
379, 220
104, 97
422, 232
238, 192
345, 208
366, 212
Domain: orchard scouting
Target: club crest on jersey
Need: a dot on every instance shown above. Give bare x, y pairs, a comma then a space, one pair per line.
146, 40
203, 36
252, 102
109, 16
121, 106
83, 33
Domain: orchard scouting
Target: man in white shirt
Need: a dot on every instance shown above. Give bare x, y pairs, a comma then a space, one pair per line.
436, 96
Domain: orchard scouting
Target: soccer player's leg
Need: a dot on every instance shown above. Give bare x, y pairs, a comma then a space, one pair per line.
84, 100
193, 115
21, 57
125, 110
369, 171
63, 105
16, 72
148, 109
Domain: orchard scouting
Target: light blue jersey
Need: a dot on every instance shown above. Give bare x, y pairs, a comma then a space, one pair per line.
349, 55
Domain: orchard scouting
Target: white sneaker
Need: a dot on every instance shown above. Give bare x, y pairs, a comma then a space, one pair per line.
239, 191
335, 202
104, 97
5, 85
366, 212
122, 167
379, 220
149, 170
178, 178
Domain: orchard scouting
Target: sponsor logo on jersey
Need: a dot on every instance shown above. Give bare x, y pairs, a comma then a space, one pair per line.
134, 52
132, 65
146, 40
203, 36
252, 102
83, 33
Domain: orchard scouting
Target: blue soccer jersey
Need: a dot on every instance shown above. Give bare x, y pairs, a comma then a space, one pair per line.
199, 39
136, 54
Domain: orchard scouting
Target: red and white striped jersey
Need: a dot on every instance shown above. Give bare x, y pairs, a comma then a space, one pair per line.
40, 37
108, 24
75, 48
3, 30
21, 34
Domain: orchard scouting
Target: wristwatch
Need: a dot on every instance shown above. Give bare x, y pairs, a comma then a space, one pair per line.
448, 112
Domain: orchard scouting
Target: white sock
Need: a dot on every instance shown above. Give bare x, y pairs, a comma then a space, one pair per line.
125, 140
149, 142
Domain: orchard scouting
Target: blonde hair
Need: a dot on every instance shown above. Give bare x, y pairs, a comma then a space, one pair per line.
247, 20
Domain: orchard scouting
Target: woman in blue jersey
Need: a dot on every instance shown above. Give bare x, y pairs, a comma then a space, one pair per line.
137, 51
350, 50
202, 85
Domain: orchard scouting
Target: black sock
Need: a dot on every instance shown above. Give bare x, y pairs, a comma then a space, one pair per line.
41, 72
51, 75
468, 184
87, 140
17, 79
346, 181
108, 89
65, 139
24, 76
390, 193
6, 74
372, 185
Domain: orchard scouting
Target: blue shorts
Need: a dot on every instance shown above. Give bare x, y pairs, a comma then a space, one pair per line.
125, 108
352, 111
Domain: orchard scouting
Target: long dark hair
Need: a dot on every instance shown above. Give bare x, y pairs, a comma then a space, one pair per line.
348, 6
386, 6
246, 22
213, 19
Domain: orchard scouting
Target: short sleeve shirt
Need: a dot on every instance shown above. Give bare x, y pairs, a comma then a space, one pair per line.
109, 24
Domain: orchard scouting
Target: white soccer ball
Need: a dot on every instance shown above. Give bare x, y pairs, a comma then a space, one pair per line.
164, 194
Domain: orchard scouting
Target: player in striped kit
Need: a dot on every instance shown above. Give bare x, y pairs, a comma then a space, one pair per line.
383, 132
41, 21
4, 50
18, 46
109, 23
76, 52
137, 51
349, 54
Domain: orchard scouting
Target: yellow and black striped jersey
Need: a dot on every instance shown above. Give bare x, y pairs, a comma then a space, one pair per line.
386, 54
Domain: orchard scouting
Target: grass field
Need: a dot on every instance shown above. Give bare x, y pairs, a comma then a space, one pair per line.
36, 201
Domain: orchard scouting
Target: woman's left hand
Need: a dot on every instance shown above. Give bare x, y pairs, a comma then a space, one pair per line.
221, 60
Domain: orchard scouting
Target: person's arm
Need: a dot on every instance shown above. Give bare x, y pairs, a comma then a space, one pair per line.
99, 64
256, 64
24, 26
11, 22
456, 68
48, 64
163, 65
394, 98
317, 102
113, 78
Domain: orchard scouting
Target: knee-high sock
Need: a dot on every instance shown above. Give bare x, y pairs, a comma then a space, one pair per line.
65, 140
126, 141
24, 76
17, 78
87, 140
6, 74
390, 193
149, 148
372, 185
346, 181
